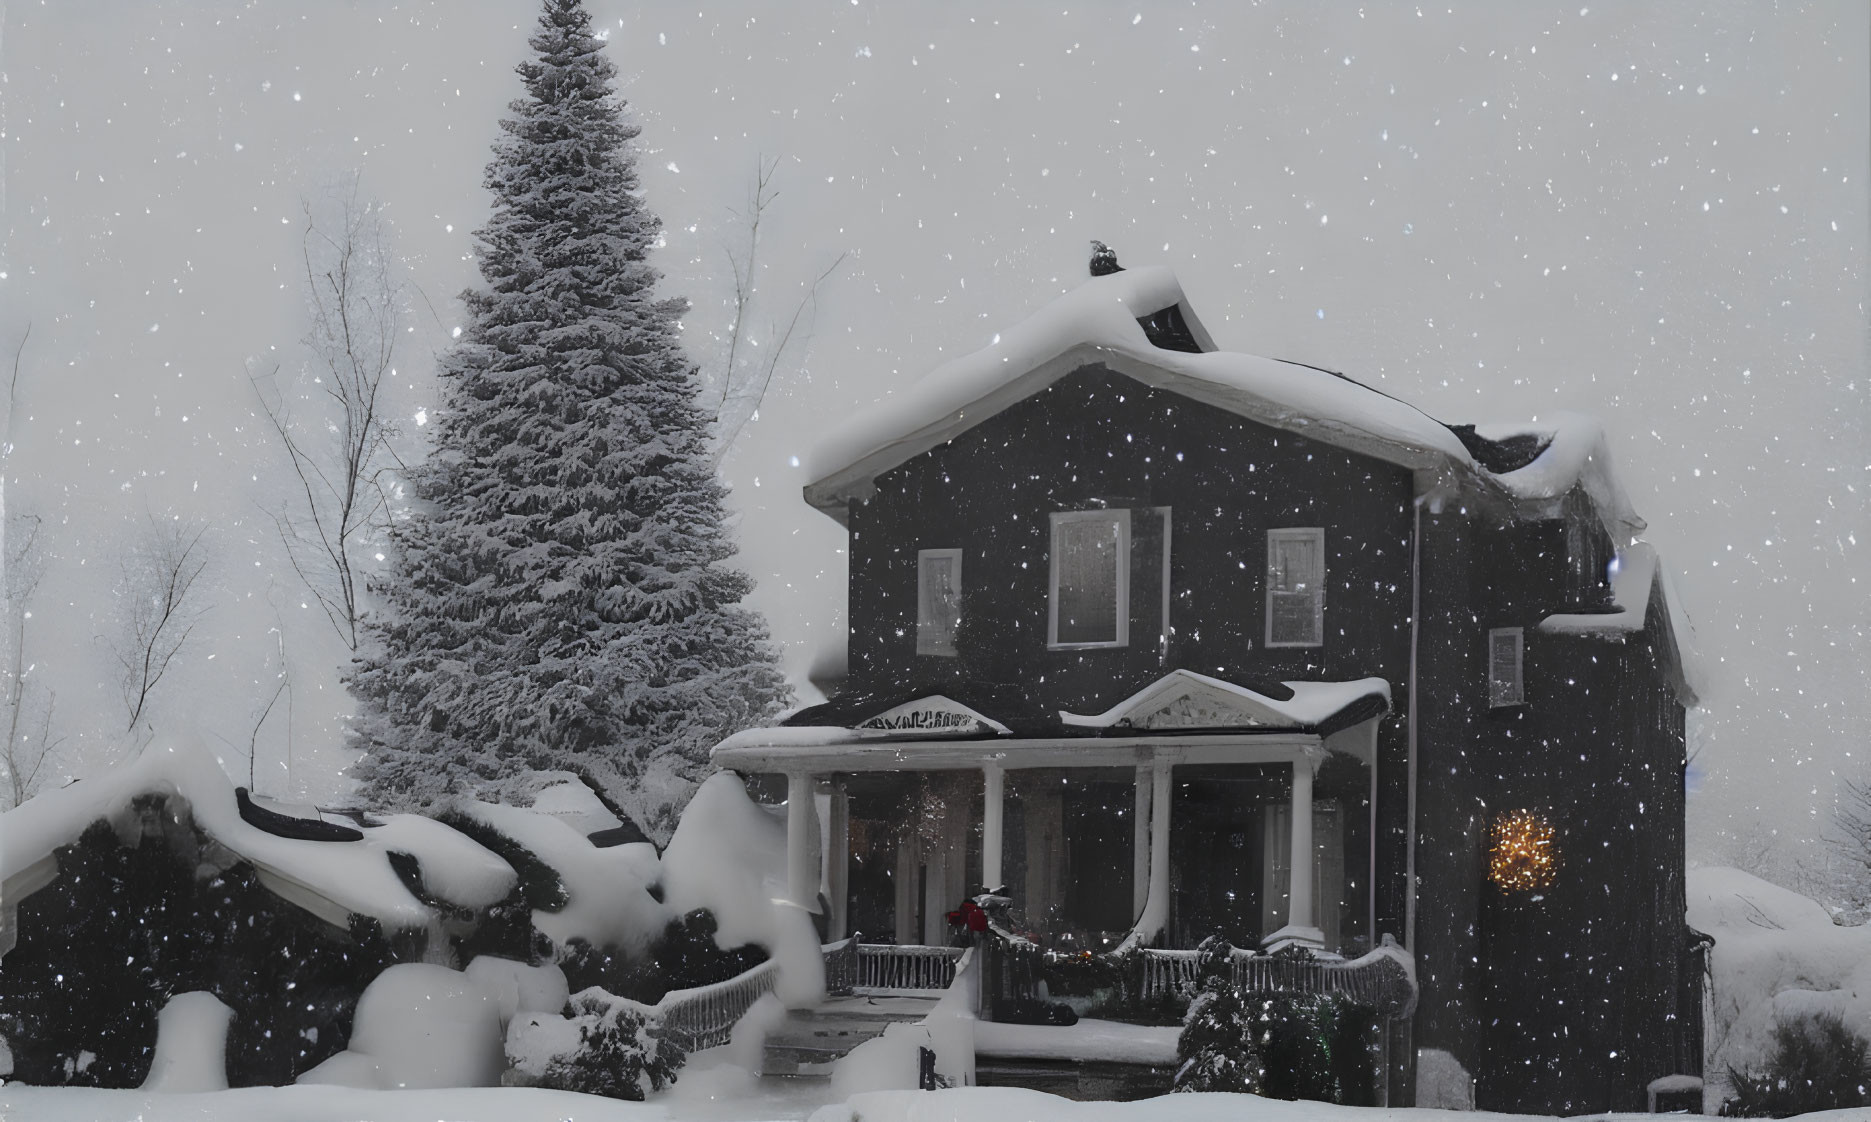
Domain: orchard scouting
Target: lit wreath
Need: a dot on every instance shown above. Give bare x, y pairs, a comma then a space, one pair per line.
1524, 856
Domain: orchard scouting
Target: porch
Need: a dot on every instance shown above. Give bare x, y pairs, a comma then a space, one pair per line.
1102, 843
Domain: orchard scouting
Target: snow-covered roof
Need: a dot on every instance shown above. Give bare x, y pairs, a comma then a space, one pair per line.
1575, 455
1183, 699
331, 879
609, 888
1637, 575
1097, 322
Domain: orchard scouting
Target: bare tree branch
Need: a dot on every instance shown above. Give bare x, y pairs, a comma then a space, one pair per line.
159, 582
342, 456
742, 391
758, 393
759, 199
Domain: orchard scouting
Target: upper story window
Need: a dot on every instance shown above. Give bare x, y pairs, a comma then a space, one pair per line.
1296, 587
938, 600
1090, 585
1506, 654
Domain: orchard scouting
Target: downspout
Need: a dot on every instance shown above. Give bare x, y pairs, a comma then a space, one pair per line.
1416, 625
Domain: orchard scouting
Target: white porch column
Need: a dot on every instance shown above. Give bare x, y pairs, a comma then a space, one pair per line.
1155, 915
1301, 922
838, 863
802, 829
994, 782
1140, 844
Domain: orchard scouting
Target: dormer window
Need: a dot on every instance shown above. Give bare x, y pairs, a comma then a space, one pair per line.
1090, 585
938, 601
1296, 587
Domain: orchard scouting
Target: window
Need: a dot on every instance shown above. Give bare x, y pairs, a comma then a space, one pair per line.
1090, 602
938, 600
1506, 648
1296, 588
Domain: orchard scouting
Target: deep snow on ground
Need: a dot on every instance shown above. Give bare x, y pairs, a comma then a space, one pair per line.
1777, 955
774, 1099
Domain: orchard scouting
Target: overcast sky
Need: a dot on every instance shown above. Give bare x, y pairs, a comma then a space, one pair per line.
1650, 212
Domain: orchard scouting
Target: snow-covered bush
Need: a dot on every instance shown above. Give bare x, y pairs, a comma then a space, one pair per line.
686, 956
1777, 958
603, 1045
419, 1026
1217, 1050
1817, 1063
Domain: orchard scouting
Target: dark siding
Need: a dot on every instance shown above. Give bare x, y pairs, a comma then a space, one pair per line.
1099, 439
1451, 823
1582, 983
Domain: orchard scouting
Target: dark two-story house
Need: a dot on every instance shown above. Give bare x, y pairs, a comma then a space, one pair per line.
1158, 641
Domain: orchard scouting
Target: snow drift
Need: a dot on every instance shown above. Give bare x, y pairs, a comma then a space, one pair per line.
1777, 955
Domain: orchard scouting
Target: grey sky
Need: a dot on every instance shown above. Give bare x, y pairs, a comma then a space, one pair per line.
1652, 212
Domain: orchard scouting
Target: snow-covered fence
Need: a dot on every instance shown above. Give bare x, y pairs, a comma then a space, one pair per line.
704, 1016
1380, 980
882, 968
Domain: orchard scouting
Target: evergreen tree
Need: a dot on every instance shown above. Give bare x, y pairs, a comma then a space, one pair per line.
561, 598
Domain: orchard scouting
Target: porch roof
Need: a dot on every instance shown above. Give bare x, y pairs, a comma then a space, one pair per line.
1181, 700
969, 724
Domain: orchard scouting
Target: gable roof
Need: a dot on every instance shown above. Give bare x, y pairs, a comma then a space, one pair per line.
1183, 699
1098, 322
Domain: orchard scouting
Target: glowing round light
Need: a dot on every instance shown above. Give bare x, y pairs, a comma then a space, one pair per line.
1524, 856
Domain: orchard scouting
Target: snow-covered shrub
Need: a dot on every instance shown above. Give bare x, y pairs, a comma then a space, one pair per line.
603, 1045
191, 1045
420, 1026
1817, 1063
1217, 1050
686, 956
138, 917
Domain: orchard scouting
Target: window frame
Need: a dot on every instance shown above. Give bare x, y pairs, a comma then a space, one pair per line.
1499, 697
1119, 516
1315, 534
927, 636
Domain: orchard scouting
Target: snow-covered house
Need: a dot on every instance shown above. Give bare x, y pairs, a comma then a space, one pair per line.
1161, 640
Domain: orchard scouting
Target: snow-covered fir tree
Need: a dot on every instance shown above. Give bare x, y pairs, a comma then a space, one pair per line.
561, 597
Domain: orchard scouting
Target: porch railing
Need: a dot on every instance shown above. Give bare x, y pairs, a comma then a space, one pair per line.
841, 966
704, 1017
880, 968
1379, 980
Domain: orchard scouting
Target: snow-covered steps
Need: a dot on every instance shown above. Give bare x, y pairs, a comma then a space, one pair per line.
811, 1039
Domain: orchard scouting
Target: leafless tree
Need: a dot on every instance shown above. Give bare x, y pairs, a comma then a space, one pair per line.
25, 753
161, 576
1851, 821
341, 452
744, 384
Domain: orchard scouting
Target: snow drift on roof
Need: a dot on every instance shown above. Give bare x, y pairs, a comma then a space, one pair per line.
1576, 455
1097, 322
355, 876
